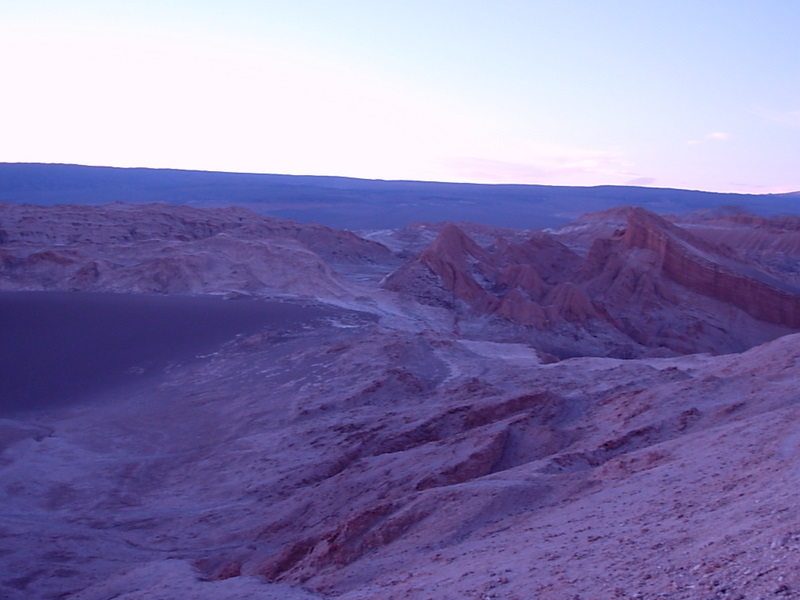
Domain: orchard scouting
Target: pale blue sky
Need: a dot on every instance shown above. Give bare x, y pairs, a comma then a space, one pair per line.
698, 94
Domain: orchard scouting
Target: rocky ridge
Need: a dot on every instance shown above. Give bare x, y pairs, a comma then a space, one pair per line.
639, 282
167, 249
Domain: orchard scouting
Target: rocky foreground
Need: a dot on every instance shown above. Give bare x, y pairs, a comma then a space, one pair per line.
608, 410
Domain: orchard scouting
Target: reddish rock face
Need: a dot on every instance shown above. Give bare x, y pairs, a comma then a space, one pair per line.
459, 263
711, 270
627, 273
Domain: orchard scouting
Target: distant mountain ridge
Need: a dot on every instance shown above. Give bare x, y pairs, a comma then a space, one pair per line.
351, 203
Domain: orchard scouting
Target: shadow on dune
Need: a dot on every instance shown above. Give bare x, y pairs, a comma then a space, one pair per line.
57, 347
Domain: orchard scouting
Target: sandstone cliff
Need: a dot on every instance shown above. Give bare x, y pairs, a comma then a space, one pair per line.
711, 271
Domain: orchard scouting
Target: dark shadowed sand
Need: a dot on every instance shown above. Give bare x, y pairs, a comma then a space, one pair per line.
56, 347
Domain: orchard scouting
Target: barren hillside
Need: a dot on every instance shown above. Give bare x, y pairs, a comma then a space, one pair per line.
605, 410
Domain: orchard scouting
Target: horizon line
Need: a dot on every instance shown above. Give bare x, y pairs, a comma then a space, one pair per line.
381, 180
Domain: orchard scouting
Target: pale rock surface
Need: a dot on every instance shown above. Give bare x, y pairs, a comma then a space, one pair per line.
167, 249
171, 579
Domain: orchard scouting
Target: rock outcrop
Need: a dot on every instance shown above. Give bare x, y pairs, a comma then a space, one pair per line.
627, 274
168, 249
711, 271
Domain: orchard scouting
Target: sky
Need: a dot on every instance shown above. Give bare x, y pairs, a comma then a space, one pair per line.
692, 94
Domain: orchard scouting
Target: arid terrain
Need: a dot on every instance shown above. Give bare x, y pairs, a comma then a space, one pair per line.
215, 404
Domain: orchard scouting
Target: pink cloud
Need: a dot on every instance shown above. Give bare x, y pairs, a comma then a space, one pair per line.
544, 164
641, 181
790, 117
718, 136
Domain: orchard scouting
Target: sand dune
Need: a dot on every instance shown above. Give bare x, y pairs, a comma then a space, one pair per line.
57, 347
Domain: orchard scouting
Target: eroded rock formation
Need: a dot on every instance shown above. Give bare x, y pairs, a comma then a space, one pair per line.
628, 274
167, 249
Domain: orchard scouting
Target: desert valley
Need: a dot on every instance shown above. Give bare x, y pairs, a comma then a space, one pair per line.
208, 402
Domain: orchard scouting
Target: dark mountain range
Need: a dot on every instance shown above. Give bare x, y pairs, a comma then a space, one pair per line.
348, 203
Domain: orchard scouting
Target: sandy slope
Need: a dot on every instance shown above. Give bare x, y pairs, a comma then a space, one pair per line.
61, 346
460, 474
